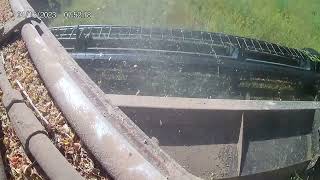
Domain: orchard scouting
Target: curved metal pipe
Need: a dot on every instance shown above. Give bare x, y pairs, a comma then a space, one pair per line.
36, 142
114, 140
101, 138
113, 160
33, 135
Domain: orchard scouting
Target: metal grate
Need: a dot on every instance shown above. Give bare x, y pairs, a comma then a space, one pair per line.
206, 42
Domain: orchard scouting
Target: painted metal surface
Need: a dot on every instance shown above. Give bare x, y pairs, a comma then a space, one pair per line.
33, 135
208, 104
252, 140
113, 152
92, 127
259, 142
108, 37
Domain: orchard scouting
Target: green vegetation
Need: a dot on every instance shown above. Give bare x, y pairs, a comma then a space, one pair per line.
129, 12
312, 56
295, 23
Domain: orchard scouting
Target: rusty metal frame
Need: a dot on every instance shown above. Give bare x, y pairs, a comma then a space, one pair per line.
32, 134
116, 142
146, 111
95, 124
15, 24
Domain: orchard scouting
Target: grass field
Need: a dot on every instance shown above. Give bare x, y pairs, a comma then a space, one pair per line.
295, 23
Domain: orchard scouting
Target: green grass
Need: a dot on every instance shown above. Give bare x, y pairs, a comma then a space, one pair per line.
130, 12
295, 23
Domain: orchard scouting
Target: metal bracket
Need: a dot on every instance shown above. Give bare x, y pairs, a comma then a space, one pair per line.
11, 26
82, 40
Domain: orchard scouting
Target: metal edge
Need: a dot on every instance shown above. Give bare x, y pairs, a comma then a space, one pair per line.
92, 92
207, 104
114, 152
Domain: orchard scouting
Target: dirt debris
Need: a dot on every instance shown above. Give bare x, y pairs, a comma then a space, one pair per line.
16, 159
19, 67
17, 163
5, 11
